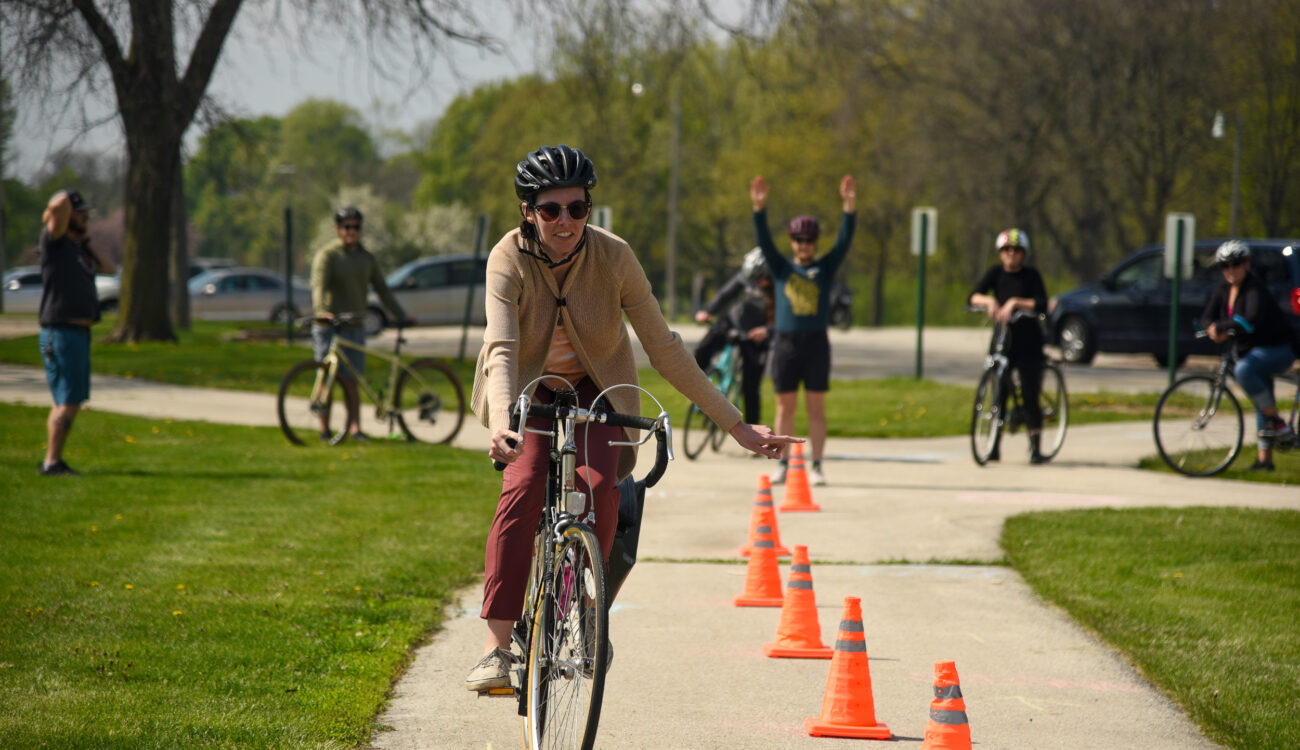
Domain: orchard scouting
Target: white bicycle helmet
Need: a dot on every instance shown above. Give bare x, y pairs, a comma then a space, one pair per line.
1013, 238
753, 267
1232, 251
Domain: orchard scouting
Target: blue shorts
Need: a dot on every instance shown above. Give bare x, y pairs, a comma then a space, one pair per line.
323, 336
66, 353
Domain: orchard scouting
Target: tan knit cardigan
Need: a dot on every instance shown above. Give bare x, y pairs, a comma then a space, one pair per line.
605, 282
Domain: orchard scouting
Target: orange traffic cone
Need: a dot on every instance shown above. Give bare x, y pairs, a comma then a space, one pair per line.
763, 515
947, 729
800, 634
798, 495
762, 575
848, 710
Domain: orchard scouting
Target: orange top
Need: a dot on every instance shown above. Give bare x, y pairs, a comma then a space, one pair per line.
562, 360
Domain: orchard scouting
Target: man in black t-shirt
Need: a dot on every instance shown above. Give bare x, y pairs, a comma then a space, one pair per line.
1015, 286
69, 306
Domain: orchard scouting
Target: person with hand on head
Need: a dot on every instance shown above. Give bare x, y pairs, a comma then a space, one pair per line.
69, 307
557, 292
1002, 290
750, 316
341, 274
801, 348
1243, 307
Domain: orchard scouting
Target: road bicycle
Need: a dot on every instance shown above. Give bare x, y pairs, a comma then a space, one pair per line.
420, 400
562, 638
698, 430
999, 404
1198, 423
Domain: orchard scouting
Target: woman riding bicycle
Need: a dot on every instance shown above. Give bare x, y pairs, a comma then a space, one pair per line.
1016, 286
751, 315
1244, 307
557, 291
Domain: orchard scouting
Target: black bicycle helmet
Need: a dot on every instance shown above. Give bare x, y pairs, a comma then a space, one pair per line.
553, 167
346, 213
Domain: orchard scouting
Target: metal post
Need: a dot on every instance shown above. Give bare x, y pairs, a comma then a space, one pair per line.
920, 292
1236, 175
480, 239
1174, 295
673, 175
288, 274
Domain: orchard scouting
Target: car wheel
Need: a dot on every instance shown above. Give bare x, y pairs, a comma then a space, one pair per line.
1076, 339
282, 314
373, 320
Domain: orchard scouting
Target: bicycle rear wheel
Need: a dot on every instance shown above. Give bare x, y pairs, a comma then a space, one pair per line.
430, 403
1055, 404
569, 647
986, 418
698, 429
1198, 426
310, 401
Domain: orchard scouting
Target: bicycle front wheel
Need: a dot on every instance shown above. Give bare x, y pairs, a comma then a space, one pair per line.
429, 401
1055, 406
311, 405
697, 432
569, 647
986, 418
1198, 426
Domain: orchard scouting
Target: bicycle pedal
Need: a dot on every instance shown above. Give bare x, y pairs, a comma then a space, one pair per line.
499, 692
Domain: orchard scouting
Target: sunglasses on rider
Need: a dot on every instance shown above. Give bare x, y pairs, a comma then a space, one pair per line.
577, 210
1233, 263
350, 227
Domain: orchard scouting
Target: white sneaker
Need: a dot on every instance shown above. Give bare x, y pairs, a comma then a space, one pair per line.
816, 477
492, 671
778, 476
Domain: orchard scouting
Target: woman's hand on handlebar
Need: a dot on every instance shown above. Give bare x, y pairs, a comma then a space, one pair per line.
1216, 335
1003, 314
757, 438
703, 316
504, 447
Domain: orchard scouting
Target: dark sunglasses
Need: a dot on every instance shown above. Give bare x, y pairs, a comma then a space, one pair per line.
1013, 249
357, 227
577, 210
805, 240
1232, 263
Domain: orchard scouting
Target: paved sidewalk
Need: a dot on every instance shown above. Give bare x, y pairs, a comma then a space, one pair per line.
689, 672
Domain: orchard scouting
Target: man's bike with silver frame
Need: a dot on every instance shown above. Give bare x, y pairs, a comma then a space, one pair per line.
421, 400
562, 638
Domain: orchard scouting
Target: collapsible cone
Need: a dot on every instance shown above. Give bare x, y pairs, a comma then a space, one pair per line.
800, 634
947, 729
762, 574
848, 710
763, 515
798, 495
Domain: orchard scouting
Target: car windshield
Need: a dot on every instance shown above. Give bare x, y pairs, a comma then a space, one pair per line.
197, 283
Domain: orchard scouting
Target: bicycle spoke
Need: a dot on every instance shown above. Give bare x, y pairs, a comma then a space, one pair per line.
986, 422
429, 401
305, 407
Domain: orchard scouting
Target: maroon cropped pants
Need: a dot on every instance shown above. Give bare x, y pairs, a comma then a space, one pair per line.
523, 490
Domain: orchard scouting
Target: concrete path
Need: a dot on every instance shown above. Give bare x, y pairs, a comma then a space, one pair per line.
689, 671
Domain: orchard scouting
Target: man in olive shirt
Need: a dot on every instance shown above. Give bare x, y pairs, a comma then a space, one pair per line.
341, 274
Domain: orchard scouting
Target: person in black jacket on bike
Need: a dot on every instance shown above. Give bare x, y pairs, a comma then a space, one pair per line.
752, 316
1016, 286
1243, 306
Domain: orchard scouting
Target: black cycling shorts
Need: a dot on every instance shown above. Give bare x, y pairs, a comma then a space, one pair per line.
801, 357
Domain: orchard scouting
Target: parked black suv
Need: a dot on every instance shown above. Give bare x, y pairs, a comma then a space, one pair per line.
1127, 309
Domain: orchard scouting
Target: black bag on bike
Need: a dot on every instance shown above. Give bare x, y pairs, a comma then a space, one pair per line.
622, 557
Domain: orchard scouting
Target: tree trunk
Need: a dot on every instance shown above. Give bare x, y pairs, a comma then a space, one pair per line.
143, 310
180, 267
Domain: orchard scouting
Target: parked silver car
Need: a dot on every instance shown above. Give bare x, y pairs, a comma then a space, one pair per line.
433, 292
23, 285
246, 294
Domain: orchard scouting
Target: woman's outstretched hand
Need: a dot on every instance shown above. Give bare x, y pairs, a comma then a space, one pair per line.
757, 438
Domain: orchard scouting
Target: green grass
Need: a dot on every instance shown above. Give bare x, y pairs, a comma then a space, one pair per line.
210, 586
1287, 463
1203, 600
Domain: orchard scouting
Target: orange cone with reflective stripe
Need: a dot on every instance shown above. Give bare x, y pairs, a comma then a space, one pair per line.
848, 710
947, 729
764, 515
799, 635
798, 495
762, 574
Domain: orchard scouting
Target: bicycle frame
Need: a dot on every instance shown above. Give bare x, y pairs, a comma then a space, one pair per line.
384, 405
